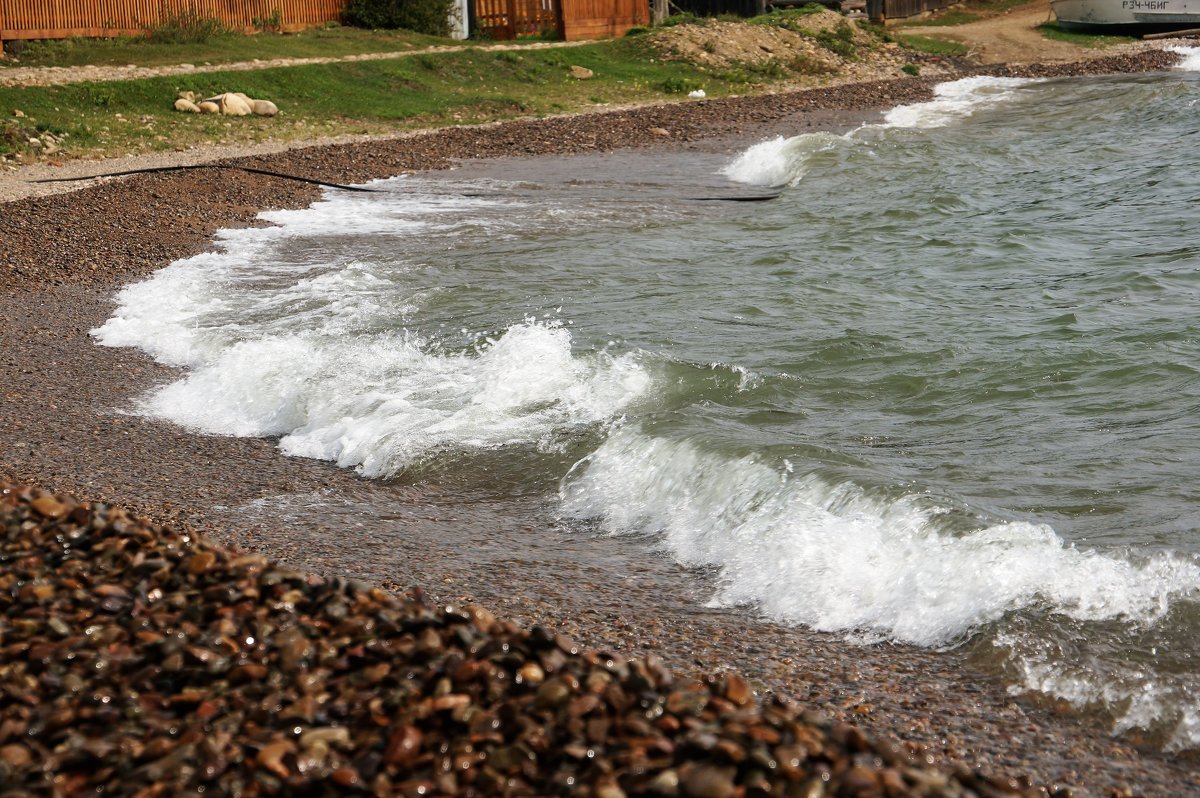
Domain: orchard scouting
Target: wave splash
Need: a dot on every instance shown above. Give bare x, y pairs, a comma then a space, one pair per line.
831, 556
320, 355
785, 161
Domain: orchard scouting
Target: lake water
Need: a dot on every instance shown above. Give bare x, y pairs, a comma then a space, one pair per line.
944, 389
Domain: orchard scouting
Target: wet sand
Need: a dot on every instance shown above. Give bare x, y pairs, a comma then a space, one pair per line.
63, 427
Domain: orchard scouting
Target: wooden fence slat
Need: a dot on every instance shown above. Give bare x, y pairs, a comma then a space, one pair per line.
501, 19
60, 19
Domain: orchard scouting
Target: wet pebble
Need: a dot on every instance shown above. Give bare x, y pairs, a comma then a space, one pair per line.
256, 680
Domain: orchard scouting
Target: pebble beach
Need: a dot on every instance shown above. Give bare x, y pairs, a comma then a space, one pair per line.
683, 700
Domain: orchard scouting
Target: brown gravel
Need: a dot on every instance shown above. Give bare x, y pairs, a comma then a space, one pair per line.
64, 255
139, 660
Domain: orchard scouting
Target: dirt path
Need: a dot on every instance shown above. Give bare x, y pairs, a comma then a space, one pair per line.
53, 76
1009, 38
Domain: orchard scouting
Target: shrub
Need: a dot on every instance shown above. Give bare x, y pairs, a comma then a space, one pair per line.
422, 16
186, 26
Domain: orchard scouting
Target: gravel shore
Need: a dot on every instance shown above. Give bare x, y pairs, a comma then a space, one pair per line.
64, 255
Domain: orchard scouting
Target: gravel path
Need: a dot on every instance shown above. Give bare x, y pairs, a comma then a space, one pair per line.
54, 76
61, 424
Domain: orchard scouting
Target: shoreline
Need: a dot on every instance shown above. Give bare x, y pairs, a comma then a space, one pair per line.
64, 390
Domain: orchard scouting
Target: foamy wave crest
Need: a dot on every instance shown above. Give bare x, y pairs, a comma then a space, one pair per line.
779, 161
955, 100
785, 161
1191, 58
831, 557
316, 351
383, 403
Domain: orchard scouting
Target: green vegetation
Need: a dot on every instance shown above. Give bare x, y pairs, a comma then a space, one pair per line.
460, 84
684, 18
463, 86
186, 26
423, 16
1051, 30
790, 18
332, 41
839, 41
926, 44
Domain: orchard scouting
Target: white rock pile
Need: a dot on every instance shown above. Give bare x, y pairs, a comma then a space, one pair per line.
228, 104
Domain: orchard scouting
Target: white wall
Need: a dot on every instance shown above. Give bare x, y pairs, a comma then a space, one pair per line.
458, 20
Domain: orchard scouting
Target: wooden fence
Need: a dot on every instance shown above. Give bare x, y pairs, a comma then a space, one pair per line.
569, 19
601, 19
508, 19
499, 19
59, 19
882, 10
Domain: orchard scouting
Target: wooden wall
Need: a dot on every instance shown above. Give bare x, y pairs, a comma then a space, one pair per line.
601, 19
59, 19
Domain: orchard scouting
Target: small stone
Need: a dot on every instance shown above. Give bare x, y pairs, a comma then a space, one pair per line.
665, 783
738, 690
263, 108
202, 561
706, 781
270, 757
328, 735
659, 131
403, 746
581, 73
16, 755
231, 104
531, 673
48, 506
608, 789
553, 694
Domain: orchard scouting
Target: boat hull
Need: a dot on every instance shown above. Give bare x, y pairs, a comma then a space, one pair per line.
1127, 17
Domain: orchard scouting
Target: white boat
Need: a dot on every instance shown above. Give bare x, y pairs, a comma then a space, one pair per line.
1132, 17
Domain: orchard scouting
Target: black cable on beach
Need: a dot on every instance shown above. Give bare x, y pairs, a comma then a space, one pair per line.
339, 186
250, 169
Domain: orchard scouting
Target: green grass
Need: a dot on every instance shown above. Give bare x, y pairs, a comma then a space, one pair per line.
790, 18
927, 44
1051, 30
224, 48
949, 17
462, 86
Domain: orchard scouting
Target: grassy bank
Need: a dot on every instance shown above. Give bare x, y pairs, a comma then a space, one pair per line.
463, 86
458, 85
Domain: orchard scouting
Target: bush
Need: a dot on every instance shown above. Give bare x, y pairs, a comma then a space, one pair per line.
422, 16
187, 26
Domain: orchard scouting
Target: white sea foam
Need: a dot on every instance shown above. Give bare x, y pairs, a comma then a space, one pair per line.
383, 402
317, 353
833, 558
1191, 57
780, 161
955, 100
785, 161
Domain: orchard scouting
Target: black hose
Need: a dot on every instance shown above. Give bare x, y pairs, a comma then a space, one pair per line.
269, 173
249, 169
